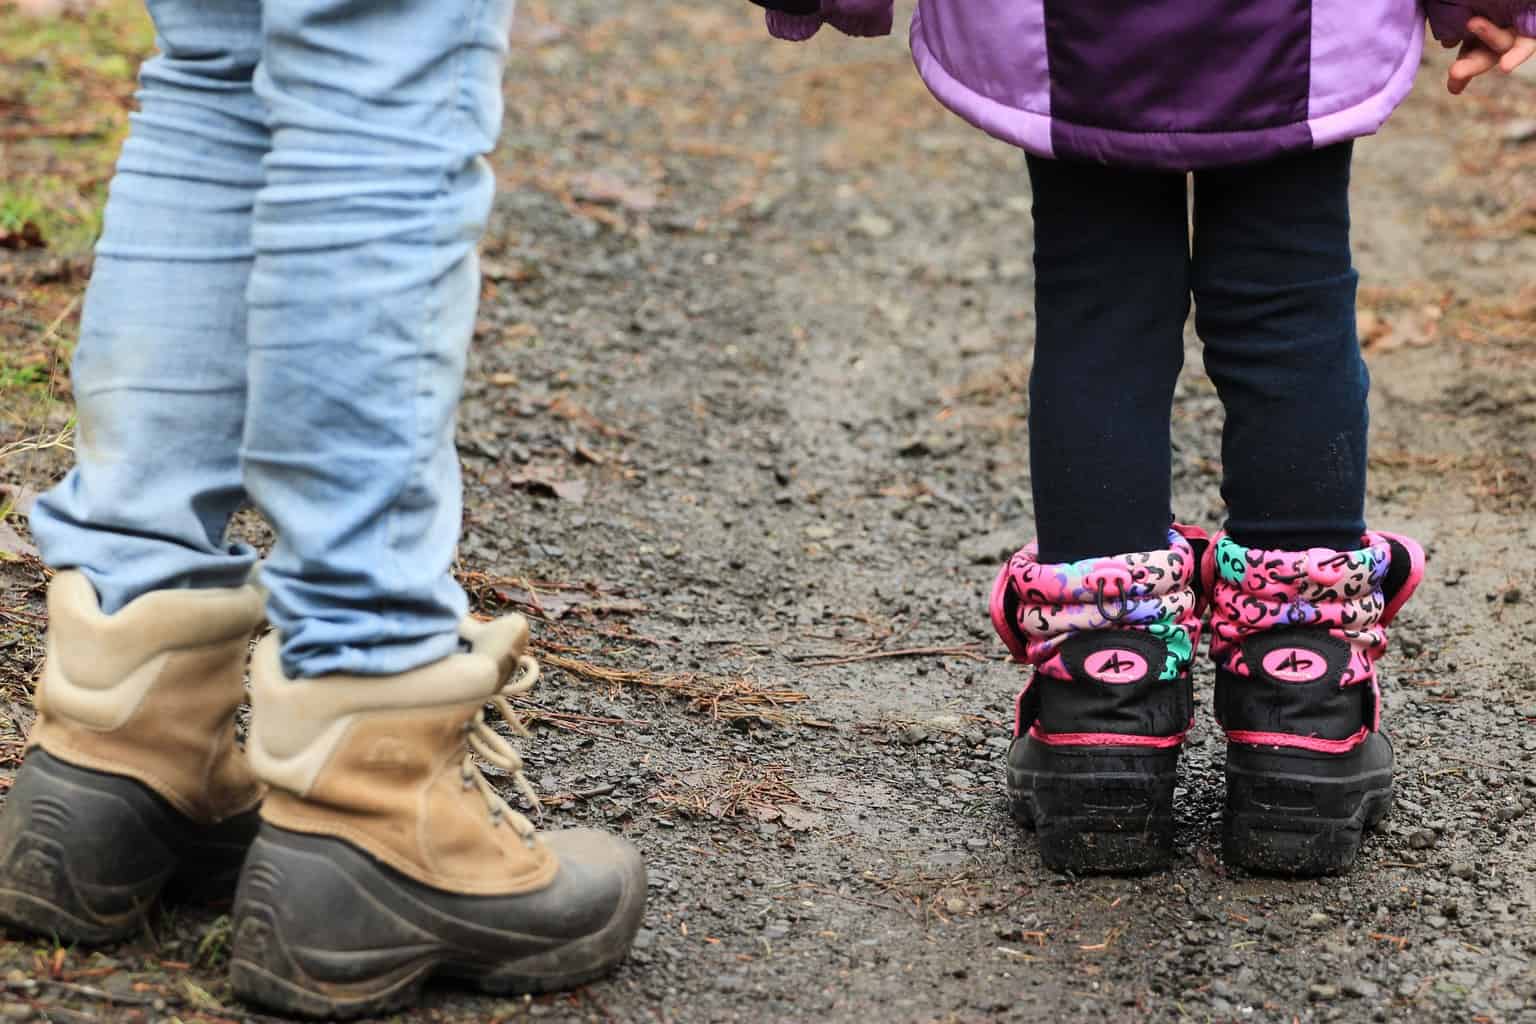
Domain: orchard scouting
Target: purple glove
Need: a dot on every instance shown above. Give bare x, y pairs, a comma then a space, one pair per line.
1448, 18
850, 17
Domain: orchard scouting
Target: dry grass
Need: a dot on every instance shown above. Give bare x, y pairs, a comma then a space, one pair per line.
741, 790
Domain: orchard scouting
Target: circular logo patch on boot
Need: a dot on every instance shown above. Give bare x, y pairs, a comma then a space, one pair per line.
1115, 665
1294, 665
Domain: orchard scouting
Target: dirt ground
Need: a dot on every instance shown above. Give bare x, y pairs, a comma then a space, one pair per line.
744, 429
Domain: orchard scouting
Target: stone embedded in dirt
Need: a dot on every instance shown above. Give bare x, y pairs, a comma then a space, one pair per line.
872, 225
994, 548
1517, 132
1360, 988
1422, 839
1320, 991
1318, 919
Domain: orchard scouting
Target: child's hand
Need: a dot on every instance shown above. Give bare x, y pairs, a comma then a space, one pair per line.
1489, 47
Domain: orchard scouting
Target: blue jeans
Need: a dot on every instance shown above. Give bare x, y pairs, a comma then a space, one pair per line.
283, 296
1271, 275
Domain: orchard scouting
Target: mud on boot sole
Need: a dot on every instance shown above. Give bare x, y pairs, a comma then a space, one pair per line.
84, 855
1301, 814
322, 930
1095, 810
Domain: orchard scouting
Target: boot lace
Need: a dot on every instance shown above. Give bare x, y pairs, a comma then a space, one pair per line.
487, 743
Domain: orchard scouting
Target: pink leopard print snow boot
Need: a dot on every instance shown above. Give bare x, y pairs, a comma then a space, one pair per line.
1100, 722
1295, 636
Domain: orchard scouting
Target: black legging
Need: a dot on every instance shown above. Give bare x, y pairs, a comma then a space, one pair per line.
1274, 291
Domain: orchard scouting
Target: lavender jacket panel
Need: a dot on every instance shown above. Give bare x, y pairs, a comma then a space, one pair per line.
1172, 85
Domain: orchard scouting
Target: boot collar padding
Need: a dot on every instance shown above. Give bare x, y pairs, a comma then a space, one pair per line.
100, 667
298, 724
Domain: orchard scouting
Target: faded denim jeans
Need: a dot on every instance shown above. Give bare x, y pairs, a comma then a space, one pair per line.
283, 296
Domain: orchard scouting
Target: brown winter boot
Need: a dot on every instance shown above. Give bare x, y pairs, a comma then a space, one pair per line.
385, 857
132, 777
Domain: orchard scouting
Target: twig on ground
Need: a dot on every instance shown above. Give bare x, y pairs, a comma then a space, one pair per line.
965, 651
1474, 762
722, 698
63, 438
75, 130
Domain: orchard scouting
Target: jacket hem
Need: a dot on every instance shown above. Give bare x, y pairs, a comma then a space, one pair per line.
1023, 128
1367, 116
1038, 133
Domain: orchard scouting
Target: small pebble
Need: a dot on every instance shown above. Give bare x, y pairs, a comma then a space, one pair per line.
1360, 988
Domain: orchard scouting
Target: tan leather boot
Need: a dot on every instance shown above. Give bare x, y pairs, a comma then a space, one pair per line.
132, 778
386, 857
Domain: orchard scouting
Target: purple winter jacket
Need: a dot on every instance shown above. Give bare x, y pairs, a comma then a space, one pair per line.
1168, 84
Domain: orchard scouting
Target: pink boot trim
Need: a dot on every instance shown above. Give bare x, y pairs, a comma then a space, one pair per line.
1313, 743
1106, 739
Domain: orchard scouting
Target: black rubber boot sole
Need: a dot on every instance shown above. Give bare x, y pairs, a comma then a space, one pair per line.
1095, 810
85, 855
322, 930
1303, 814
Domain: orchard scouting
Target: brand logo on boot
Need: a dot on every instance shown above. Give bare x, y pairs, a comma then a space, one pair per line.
1115, 665
1295, 665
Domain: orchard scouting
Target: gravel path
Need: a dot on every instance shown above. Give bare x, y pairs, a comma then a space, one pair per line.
746, 409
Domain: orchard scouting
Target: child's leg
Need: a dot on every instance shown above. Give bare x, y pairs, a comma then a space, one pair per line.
1111, 298
1275, 306
1301, 594
1110, 636
159, 376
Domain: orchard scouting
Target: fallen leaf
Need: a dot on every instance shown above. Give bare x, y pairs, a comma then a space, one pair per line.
505, 270
610, 190
1373, 329
573, 491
